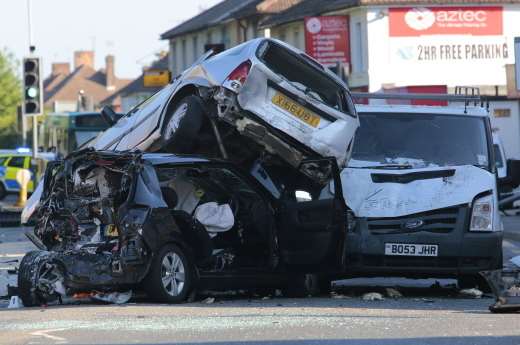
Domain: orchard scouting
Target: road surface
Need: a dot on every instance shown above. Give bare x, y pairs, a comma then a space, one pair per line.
423, 316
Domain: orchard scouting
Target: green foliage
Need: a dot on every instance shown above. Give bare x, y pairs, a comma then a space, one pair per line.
10, 99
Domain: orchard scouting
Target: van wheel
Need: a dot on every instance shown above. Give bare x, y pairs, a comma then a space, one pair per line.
171, 275
3, 192
473, 281
303, 285
183, 124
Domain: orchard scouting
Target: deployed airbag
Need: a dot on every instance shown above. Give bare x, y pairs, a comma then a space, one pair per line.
215, 218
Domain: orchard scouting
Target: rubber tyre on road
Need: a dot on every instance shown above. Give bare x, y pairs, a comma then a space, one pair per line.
302, 285
473, 281
171, 276
28, 274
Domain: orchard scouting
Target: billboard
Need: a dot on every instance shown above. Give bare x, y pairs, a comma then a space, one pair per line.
460, 20
327, 39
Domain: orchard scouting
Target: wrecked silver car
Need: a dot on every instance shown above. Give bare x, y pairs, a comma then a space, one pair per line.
260, 98
170, 224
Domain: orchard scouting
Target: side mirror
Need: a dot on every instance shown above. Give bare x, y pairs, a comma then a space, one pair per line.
513, 173
109, 115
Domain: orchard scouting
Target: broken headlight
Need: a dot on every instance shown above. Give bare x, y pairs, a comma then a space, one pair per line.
482, 214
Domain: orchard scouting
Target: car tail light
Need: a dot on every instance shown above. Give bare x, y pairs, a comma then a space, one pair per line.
240, 73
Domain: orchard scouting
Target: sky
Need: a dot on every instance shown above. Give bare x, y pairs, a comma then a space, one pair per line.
128, 29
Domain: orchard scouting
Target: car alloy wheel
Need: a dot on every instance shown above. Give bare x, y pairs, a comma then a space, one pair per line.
173, 274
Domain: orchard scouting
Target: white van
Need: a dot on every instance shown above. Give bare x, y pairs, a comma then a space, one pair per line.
422, 187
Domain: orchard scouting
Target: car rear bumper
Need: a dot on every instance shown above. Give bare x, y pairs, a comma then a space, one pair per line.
460, 253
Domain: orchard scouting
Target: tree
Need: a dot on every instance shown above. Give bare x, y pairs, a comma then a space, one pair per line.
10, 99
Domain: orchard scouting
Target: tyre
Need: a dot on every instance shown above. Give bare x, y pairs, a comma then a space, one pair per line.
3, 192
181, 127
473, 281
303, 285
32, 267
171, 275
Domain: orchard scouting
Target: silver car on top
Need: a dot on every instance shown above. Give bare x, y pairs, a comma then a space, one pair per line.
284, 102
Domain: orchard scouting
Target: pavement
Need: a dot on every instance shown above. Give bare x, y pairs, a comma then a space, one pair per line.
425, 315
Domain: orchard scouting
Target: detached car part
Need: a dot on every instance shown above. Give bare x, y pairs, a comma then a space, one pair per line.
505, 285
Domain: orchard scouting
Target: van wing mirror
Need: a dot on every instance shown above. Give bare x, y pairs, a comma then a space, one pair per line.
513, 172
109, 115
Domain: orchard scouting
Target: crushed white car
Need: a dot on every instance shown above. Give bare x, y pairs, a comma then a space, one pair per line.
281, 102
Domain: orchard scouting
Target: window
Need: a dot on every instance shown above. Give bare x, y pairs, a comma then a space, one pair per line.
173, 55
358, 38
306, 75
282, 35
195, 47
16, 162
411, 140
184, 53
499, 163
296, 39
2, 160
224, 36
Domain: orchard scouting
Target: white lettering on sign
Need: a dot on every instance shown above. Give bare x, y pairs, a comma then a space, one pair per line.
462, 52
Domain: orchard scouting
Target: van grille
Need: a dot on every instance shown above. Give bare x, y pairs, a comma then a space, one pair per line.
443, 220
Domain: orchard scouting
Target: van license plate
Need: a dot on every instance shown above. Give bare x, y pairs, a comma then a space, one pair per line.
411, 249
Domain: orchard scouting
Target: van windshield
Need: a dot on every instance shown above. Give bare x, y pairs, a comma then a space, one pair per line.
419, 140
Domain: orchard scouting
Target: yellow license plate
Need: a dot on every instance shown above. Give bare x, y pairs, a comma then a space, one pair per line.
295, 109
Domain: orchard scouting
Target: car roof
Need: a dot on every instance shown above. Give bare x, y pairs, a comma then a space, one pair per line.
423, 109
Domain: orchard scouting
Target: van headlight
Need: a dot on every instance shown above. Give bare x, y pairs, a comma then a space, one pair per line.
482, 214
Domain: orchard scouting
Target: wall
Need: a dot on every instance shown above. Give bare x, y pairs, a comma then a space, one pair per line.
292, 33
182, 55
397, 60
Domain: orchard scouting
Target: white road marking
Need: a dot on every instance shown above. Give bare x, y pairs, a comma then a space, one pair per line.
56, 339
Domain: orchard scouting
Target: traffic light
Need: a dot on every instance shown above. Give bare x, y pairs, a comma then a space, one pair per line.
32, 86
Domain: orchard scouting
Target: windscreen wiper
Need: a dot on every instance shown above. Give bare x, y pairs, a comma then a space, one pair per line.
387, 166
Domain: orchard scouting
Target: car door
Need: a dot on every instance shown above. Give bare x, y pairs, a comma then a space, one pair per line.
311, 222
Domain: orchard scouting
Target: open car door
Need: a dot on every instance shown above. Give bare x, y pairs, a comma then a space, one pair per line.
311, 223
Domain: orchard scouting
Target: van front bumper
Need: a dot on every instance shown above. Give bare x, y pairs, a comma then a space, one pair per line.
460, 252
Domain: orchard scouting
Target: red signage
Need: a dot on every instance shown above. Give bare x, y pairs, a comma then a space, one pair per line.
461, 20
327, 39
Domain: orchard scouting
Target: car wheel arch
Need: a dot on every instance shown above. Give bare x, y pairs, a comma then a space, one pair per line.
185, 91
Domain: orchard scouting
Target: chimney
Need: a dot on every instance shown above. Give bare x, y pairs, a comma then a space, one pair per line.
83, 57
110, 73
60, 68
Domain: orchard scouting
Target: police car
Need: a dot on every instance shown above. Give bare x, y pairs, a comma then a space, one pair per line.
12, 162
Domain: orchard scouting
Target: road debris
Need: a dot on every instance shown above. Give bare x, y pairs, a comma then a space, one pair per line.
208, 300
336, 295
393, 293
373, 296
113, 297
15, 302
471, 293
505, 285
